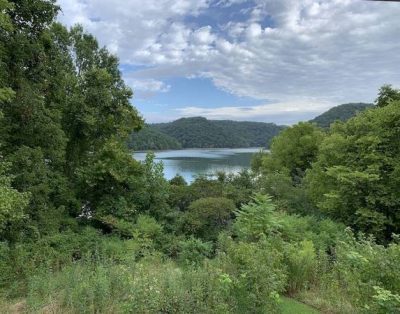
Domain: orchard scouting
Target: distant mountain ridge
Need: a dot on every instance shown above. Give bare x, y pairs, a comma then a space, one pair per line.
340, 113
199, 132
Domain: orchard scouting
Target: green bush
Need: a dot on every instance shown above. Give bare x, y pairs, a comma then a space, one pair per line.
257, 275
206, 217
384, 302
193, 251
301, 260
256, 219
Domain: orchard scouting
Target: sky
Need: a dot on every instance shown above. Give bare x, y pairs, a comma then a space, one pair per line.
279, 61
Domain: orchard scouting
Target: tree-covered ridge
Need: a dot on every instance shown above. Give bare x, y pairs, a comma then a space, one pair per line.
198, 132
340, 113
150, 138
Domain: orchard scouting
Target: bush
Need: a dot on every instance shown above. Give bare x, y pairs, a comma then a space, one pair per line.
193, 251
257, 274
23, 260
206, 217
301, 260
256, 219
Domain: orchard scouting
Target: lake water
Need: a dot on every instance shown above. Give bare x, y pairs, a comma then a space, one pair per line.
192, 162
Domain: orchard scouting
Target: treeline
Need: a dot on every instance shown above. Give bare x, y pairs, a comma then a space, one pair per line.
150, 138
198, 132
84, 228
340, 113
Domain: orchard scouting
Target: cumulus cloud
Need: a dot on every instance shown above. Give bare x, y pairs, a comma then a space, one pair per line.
285, 112
149, 85
290, 51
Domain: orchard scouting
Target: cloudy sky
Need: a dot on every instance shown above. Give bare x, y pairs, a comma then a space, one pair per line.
260, 60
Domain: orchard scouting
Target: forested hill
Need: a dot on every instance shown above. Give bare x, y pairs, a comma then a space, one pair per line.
198, 132
150, 138
340, 113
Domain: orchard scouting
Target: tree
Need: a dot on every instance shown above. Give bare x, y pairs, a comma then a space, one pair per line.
293, 150
357, 173
256, 219
207, 216
66, 116
386, 95
12, 205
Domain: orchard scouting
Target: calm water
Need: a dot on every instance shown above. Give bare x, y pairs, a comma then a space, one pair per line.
191, 162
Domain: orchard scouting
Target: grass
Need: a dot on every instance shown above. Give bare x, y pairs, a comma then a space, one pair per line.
291, 306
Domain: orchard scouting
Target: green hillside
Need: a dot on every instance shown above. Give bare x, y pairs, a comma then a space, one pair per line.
340, 113
198, 132
150, 138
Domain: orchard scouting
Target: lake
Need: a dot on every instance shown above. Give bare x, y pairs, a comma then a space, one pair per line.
192, 162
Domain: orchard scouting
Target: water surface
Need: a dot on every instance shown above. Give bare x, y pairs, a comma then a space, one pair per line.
193, 162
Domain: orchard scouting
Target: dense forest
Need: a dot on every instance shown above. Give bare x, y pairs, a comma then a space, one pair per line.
340, 113
85, 228
198, 132
150, 138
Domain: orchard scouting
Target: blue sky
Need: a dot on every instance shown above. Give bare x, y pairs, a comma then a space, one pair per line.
260, 60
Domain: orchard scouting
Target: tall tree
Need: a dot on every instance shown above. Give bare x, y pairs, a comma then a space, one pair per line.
66, 117
387, 94
357, 174
293, 150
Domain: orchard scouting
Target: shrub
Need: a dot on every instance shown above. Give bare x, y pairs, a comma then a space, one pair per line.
193, 251
258, 275
206, 217
256, 219
301, 260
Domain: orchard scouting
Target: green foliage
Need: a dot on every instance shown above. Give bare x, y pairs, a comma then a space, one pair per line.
301, 260
84, 228
386, 95
294, 150
193, 251
198, 132
66, 115
256, 220
12, 204
256, 275
107, 183
206, 217
152, 189
384, 301
22, 260
289, 197
340, 113
154, 286
356, 176
363, 278
150, 138
178, 180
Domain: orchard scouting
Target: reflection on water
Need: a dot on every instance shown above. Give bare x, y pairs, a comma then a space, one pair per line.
191, 162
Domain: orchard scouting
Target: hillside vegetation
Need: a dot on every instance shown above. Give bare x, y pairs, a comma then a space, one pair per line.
85, 228
198, 132
150, 138
340, 113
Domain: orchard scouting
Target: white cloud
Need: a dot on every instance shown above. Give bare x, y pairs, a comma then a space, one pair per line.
312, 51
283, 113
148, 85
